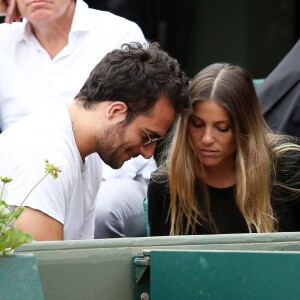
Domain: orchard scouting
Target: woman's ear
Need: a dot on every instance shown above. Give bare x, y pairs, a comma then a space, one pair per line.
116, 110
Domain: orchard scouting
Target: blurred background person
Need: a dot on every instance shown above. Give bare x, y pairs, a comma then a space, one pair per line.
280, 94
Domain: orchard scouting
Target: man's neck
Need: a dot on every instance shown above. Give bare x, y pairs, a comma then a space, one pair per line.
54, 35
83, 133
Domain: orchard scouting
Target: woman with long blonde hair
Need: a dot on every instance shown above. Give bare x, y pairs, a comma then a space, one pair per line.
223, 170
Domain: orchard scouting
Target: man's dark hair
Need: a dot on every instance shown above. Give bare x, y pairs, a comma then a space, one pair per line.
136, 75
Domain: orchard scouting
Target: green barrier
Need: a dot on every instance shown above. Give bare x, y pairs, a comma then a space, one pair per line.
19, 278
215, 275
104, 269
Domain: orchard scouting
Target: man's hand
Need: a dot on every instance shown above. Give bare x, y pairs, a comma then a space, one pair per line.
9, 9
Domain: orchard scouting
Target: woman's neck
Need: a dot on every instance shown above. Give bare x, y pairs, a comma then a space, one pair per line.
219, 177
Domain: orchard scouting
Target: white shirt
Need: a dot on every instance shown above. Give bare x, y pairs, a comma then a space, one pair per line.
33, 80
69, 199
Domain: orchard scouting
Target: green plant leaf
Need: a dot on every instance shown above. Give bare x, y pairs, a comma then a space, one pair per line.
6, 214
11, 238
17, 237
4, 241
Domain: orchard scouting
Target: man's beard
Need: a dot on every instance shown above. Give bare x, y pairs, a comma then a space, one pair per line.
109, 145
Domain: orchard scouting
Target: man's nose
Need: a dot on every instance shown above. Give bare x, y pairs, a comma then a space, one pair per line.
148, 151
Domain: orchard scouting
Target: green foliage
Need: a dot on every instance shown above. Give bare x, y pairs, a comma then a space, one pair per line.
10, 237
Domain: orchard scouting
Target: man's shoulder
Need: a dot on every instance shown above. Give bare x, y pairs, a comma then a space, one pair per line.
110, 20
108, 31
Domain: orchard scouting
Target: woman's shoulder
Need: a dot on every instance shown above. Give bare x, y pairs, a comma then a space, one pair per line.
285, 151
286, 164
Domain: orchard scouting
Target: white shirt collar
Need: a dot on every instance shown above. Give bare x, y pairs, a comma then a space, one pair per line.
81, 22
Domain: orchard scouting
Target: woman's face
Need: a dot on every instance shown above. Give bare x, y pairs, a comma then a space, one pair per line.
211, 134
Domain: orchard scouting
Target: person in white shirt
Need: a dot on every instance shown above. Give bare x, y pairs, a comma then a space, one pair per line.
50, 54
58, 209
126, 105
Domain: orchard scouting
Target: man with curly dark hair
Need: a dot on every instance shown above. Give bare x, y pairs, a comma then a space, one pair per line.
125, 106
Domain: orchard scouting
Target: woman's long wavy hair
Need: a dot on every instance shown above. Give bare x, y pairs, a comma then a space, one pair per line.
231, 87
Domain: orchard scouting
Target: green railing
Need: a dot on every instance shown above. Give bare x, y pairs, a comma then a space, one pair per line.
104, 269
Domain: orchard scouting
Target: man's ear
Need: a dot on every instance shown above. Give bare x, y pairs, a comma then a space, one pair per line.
116, 110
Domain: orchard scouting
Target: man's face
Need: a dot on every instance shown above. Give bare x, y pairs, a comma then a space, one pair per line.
122, 141
43, 10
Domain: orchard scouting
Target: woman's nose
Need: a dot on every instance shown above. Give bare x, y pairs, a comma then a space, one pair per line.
208, 137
